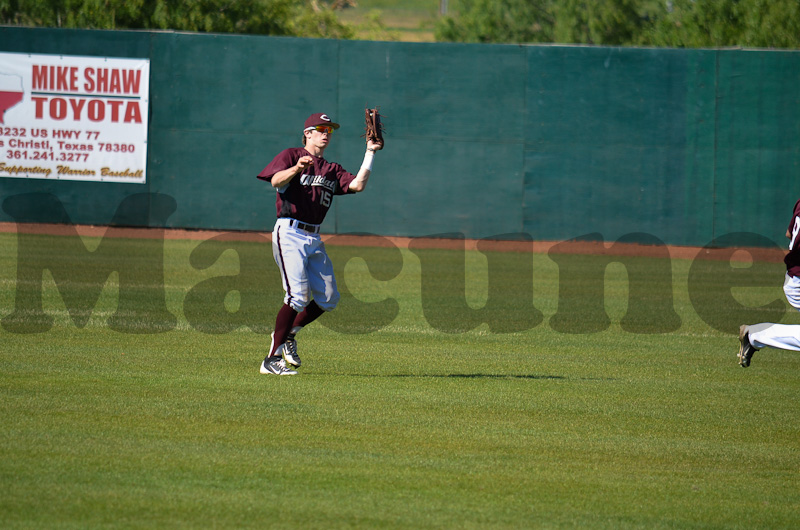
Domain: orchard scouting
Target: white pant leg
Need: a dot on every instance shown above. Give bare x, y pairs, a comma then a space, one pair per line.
321, 278
791, 288
289, 248
783, 336
306, 270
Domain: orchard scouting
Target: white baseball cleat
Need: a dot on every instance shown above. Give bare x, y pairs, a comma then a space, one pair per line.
277, 366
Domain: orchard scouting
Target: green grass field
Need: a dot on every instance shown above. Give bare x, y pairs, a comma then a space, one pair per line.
403, 426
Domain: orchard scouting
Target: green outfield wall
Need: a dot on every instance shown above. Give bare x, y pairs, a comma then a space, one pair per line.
557, 142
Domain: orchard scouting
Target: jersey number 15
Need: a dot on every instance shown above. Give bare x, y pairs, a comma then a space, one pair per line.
326, 198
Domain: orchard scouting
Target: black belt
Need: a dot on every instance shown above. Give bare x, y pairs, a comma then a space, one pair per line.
314, 229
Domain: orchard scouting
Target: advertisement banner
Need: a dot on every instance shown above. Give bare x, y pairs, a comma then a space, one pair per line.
74, 118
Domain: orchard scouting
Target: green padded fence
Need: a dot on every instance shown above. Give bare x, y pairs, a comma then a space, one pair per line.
556, 142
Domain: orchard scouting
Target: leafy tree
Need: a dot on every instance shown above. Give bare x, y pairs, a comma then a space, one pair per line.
673, 23
697, 24
610, 22
498, 21
266, 17
772, 24
712, 23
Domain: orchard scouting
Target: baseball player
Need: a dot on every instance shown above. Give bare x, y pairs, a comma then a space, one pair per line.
305, 184
782, 336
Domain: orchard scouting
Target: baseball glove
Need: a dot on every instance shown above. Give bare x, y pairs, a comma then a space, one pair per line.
373, 126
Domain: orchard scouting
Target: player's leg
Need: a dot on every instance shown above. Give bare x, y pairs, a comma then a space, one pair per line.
781, 336
283, 326
302, 319
307, 316
290, 253
322, 284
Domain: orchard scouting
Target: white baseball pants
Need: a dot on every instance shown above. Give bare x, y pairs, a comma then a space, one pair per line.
306, 269
783, 336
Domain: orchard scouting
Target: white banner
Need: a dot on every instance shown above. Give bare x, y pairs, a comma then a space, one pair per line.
74, 118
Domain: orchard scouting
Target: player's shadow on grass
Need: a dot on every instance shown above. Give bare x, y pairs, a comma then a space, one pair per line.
481, 376
485, 376
502, 376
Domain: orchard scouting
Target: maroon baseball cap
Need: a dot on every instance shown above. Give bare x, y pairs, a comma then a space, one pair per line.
320, 119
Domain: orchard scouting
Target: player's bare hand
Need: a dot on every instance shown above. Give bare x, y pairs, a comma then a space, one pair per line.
374, 146
304, 162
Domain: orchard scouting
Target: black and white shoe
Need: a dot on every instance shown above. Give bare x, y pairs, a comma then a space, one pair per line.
746, 350
290, 351
277, 366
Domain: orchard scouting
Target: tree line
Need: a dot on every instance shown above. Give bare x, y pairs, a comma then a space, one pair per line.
664, 23
299, 18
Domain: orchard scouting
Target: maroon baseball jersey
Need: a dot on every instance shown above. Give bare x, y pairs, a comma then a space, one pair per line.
792, 259
308, 196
